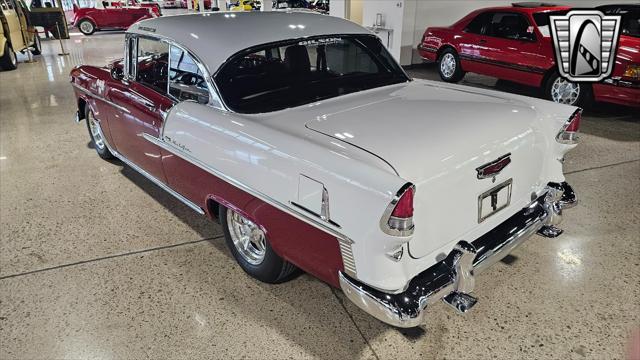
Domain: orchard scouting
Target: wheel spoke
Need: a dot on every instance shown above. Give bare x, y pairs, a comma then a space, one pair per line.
247, 237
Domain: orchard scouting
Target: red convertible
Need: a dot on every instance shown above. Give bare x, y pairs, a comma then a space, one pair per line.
110, 15
514, 43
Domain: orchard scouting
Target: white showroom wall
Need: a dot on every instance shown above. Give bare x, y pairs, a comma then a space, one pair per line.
409, 18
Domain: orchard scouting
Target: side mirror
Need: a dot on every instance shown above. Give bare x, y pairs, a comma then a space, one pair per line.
117, 73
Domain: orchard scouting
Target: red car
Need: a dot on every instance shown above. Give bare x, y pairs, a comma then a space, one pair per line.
109, 15
623, 87
514, 43
207, 4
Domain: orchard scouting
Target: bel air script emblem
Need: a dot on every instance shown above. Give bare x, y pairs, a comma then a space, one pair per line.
492, 169
585, 44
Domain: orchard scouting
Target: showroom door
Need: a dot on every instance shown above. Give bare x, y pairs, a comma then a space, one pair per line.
145, 100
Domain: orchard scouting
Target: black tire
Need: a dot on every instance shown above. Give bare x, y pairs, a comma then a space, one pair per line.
102, 150
37, 46
9, 60
457, 74
272, 269
584, 92
89, 27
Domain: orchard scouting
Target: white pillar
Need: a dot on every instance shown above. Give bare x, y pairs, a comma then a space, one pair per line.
267, 5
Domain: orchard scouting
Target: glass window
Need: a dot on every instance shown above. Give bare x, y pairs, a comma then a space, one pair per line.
542, 20
510, 26
186, 82
479, 24
299, 72
152, 64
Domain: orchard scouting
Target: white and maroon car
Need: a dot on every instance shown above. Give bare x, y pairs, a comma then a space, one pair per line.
315, 151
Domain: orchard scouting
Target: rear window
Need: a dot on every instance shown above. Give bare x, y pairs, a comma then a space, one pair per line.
298, 72
542, 20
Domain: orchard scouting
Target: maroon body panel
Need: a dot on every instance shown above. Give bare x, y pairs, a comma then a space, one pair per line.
146, 107
307, 247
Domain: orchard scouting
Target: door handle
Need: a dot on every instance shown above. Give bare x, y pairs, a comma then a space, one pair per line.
482, 41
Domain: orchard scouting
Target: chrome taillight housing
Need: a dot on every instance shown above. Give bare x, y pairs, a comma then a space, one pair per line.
569, 135
397, 219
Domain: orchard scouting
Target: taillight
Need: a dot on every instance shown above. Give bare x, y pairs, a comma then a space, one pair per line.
570, 131
632, 71
397, 219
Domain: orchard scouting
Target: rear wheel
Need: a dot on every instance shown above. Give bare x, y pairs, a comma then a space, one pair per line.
563, 91
8, 61
449, 66
251, 249
86, 27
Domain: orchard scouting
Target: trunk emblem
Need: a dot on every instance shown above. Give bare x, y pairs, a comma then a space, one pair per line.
493, 168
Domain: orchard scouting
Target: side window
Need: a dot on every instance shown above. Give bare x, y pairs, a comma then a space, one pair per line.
186, 81
153, 64
510, 26
479, 24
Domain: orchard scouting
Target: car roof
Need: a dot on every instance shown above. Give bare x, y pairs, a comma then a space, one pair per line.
213, 37
528, 9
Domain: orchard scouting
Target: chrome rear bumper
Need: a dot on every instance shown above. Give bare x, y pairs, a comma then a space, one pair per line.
452, 279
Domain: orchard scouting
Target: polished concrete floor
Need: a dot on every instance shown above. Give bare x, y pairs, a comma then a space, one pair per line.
97, 262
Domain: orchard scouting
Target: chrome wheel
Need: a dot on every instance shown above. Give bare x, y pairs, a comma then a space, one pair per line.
86, 27
565, 92
96, 134
247, 237
448, 65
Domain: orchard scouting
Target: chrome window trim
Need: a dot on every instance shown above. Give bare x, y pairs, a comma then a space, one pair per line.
213, 89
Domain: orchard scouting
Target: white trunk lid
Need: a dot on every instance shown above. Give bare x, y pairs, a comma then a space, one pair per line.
436, 137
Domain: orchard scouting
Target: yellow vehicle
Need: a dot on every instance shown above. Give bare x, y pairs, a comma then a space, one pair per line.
18, 35
244, 5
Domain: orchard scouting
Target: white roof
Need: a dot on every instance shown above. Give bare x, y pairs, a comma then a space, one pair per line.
216, 36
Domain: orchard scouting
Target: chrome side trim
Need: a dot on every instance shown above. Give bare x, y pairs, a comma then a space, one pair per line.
101, 98
318, 223
144, 173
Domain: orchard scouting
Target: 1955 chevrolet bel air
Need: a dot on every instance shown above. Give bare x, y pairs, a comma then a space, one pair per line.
315, 151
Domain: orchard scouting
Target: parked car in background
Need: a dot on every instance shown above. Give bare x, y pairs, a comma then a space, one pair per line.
169, 4
514, 43
623, 87
245, 5
108, 16
290, 4
154, 5
207, 3
321, 6
17, 35
315, 150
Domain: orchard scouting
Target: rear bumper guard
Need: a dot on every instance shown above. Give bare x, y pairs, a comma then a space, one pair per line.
452, 279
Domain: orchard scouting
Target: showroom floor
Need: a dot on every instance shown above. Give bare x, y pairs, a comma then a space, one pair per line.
97, 262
